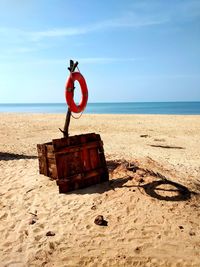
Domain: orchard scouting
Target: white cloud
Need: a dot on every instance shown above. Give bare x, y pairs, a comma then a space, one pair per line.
141, 14
129, 20
57, 32
88, 60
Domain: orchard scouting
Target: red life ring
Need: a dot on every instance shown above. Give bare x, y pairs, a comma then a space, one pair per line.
69, 92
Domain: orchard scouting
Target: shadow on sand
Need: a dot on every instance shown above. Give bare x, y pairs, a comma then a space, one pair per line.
161, 188
12, 156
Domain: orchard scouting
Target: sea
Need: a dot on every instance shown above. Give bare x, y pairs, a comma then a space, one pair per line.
178, 108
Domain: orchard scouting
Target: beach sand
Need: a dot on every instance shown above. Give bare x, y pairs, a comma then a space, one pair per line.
149, 224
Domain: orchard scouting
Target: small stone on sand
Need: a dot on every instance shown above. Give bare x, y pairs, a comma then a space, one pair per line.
50, 233
32, 221
99, 220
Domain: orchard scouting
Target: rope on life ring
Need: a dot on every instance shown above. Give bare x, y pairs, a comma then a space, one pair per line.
69, 92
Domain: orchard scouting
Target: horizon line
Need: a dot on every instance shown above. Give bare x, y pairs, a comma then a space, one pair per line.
117, 102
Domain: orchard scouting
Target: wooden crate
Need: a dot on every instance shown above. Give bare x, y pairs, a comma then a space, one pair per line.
75, 162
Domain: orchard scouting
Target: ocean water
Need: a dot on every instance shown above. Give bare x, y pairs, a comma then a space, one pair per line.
179, 108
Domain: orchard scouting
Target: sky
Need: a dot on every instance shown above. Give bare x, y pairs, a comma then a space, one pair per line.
128, 51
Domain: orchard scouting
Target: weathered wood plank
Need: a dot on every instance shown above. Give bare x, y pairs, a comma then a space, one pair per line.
94, 158
43, 166
82, 176
68, 164
79, 147
86, 166
61, 143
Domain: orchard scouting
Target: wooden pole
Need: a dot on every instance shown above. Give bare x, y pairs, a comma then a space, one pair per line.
65, 132
67, 122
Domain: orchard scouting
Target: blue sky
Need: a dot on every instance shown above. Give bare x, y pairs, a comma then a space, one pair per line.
130, 50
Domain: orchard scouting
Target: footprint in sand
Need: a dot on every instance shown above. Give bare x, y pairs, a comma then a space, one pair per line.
4, 216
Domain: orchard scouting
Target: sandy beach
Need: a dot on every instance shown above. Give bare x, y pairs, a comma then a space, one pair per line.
153, 211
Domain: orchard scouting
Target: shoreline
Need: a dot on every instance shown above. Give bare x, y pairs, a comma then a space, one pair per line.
176, 108
95, 114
